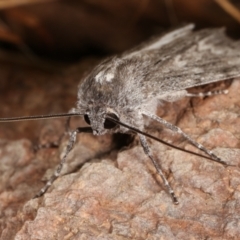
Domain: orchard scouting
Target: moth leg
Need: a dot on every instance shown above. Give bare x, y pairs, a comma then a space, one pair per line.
178, 130
206, 94
147, 150
71, 142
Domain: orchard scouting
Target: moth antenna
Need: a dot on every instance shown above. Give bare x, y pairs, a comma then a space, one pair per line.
178, 130
163, 142
37, 117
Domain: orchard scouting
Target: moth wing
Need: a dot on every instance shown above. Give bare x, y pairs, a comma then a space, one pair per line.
195, 59
159, 41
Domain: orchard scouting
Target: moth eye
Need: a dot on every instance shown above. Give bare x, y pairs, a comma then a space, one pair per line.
108, 124
86, 118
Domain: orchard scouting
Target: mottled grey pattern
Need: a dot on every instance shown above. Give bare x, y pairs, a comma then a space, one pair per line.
160, 70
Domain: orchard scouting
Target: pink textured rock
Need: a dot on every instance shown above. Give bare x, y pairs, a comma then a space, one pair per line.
117, 194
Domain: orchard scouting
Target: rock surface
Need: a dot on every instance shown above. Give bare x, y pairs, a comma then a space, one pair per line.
116, 194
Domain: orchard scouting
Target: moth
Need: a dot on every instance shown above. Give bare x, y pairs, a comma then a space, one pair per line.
123, 89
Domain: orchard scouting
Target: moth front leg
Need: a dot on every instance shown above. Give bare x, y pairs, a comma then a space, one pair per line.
70, 145
148, 152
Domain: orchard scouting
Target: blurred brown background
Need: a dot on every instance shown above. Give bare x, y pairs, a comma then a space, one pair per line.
68, 29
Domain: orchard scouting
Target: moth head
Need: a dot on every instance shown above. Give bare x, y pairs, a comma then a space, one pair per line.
97, 118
